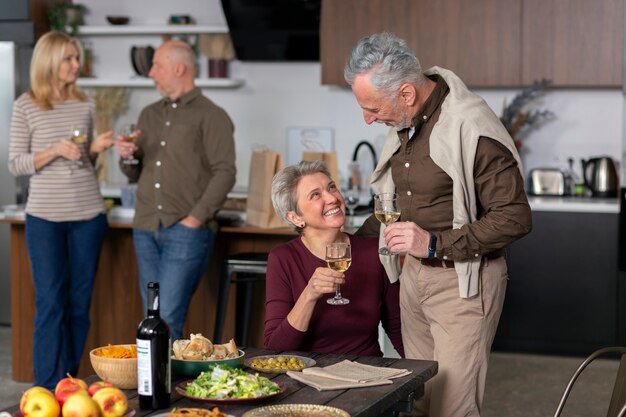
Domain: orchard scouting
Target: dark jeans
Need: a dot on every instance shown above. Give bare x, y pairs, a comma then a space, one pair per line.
175, 257
64, 258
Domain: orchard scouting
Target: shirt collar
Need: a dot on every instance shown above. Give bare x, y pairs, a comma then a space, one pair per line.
432, 103
184, 99
435, 99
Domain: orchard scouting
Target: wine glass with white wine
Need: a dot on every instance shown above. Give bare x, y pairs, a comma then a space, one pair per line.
79, 137
127, 136
338, 258
386, 211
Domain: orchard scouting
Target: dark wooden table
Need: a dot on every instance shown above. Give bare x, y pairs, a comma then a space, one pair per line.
362, 402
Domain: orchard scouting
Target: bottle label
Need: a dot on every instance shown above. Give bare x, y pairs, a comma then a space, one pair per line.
144, 373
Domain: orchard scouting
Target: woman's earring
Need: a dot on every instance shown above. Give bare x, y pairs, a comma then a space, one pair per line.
302, 225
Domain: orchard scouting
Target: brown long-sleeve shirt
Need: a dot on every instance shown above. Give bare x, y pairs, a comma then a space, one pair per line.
425, 190
187, 161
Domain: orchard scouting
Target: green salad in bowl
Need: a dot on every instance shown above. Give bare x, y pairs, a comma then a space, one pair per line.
224, 383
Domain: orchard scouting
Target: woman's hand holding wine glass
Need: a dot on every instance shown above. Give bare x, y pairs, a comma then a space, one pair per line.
386, 211
338, 258
78, 135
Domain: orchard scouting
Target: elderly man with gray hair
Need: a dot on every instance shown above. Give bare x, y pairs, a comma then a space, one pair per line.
461, 193
186, 154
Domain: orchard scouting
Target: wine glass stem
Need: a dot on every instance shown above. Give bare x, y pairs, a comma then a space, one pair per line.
337, 292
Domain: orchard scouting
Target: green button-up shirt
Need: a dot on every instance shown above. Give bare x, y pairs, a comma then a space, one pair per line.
187, 161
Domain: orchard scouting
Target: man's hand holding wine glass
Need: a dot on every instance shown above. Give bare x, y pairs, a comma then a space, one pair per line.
125, 144
407, 238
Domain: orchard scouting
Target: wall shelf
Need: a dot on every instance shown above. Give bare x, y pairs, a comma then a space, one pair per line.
147, 82
108, 30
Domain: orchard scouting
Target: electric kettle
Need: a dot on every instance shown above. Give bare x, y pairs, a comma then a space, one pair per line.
600, 177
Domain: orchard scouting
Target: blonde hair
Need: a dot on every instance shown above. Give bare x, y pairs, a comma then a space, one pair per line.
44, 70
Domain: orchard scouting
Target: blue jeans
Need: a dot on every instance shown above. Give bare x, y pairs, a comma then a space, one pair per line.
64, 259
175, 257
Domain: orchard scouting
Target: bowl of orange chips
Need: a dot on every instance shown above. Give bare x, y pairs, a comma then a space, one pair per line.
116, 364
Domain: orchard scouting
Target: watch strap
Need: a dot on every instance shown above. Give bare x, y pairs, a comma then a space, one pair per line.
432, 246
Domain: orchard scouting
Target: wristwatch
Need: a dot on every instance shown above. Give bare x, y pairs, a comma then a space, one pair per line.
432, 246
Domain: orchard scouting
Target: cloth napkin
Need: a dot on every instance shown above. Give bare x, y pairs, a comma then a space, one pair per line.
347, 374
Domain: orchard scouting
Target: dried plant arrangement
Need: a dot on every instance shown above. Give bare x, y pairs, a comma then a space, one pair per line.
110, 103
519, 117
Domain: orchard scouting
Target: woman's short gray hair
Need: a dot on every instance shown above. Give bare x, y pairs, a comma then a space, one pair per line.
285, 184
389, 59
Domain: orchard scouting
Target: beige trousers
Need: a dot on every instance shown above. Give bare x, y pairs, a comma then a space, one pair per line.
457, 332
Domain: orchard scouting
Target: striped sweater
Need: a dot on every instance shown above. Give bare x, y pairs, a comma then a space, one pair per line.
61, 190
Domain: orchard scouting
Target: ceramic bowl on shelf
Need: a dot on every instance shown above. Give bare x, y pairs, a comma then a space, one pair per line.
118, 20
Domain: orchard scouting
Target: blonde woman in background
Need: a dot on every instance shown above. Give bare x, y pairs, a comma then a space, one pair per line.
65, 215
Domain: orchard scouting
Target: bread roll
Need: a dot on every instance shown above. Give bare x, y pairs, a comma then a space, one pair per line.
198, 348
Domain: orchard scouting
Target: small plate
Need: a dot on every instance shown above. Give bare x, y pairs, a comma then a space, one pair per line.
296, 410
308, 362
181, 389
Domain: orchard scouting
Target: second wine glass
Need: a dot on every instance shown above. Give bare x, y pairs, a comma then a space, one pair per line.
127, 136
386, 211
338, 258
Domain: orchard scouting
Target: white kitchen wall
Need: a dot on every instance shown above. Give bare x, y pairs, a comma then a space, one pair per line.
276, 96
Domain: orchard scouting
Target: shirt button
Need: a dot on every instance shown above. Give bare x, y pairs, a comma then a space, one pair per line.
408, 193
406, 164
158, 163
476, 255
159, 207
167, 123
425, 117
174, 105
157, 185
162, 143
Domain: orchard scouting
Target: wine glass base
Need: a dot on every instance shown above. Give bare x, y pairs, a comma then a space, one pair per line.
338, 301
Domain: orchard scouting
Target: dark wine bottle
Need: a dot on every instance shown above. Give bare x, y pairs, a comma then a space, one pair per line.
153, 356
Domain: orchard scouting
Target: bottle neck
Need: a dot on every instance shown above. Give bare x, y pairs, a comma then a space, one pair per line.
153, 302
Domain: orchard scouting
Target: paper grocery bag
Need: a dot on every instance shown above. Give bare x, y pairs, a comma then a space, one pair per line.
259, 210
329, 158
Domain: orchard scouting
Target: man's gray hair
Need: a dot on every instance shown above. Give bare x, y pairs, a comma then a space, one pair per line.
285, 184
389, 59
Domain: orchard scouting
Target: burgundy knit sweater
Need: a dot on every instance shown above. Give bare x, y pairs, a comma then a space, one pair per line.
347, 329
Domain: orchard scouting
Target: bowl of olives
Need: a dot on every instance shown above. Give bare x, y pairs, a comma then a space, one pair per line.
278, 363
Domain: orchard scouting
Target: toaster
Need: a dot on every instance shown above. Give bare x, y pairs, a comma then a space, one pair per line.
547, 181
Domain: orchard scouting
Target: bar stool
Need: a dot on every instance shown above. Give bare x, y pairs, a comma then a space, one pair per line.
249, 267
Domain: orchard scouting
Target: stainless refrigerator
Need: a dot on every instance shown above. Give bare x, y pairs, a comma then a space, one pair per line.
14, 65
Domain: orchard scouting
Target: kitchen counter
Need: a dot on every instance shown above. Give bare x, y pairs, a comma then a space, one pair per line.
574, 204
116, 307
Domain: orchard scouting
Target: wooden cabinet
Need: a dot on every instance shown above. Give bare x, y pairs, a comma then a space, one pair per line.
563, 284
479, 40
488, 43
576, 43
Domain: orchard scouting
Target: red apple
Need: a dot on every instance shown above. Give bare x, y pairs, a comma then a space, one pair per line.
39, 402
93, 388
69, 381
63, 394
112, 402
80, 405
